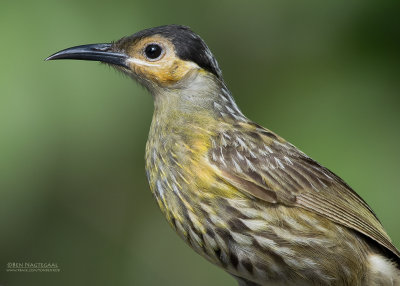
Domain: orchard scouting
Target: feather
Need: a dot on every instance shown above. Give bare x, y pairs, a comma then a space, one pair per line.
285, 175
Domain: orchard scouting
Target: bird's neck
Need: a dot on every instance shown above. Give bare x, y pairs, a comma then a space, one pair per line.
185, 119
201, 100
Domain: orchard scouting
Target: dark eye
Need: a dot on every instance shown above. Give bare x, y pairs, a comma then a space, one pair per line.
153, 51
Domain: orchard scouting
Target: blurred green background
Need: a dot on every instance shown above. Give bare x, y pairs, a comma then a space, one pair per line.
325, 75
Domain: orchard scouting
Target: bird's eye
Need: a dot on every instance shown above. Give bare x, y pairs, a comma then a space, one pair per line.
153, 51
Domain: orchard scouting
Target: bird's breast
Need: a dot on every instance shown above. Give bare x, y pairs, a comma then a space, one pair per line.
186, 187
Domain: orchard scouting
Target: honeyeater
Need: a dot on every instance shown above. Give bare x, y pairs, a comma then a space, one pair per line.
237, 193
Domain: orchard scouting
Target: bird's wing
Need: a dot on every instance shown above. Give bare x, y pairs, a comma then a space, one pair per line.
263, 165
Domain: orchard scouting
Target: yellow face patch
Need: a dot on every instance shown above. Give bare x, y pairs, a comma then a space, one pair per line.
166, 70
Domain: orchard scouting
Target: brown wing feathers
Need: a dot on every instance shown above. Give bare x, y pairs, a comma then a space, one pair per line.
272, 170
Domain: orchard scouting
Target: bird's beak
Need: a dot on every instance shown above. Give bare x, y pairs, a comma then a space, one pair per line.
94, 52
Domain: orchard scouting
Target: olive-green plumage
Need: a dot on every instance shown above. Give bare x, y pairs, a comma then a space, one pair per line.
237, 193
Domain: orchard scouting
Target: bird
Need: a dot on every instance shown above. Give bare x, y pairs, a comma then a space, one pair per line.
237, 193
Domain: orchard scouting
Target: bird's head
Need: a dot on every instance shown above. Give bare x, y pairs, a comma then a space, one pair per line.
165, 57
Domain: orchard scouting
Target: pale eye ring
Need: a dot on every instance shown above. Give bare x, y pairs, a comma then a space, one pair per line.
153, 51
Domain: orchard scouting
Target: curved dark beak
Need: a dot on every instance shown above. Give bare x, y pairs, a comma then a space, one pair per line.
94, 52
